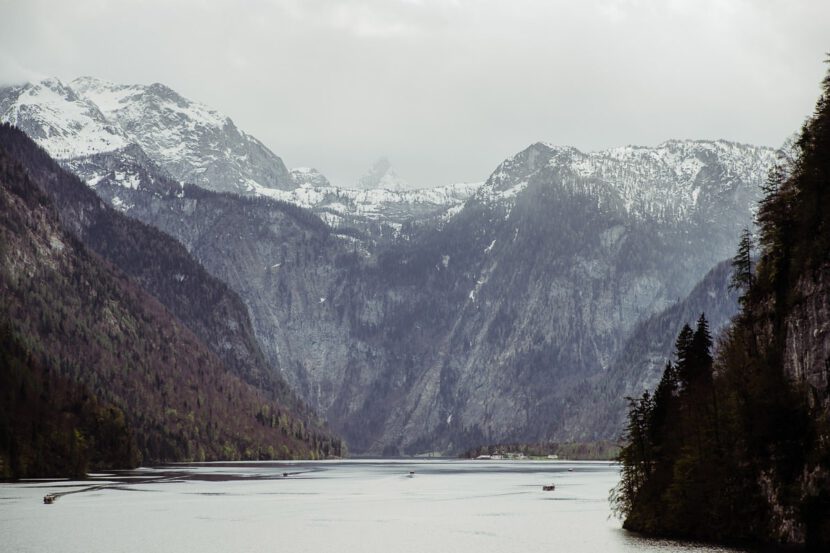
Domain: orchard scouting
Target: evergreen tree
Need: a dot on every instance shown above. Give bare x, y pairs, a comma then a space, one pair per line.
742, 265
693, 350
665, 400
635, 456
683, 354
701, 352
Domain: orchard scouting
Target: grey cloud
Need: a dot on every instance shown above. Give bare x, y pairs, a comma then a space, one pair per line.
445, 89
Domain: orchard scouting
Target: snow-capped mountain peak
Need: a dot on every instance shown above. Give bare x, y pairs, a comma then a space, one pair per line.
61, 121
669, 180
124, 103
188, 140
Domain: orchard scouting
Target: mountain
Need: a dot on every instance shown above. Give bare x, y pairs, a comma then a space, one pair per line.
308, 177
189, 141
178, 397
381, 176
486, 327
535, 285
60, 120
481, 314
677, 180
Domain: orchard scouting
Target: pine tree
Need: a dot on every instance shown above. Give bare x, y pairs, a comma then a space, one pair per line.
665, 403
742, 277
683, 353
635, 456
701, 348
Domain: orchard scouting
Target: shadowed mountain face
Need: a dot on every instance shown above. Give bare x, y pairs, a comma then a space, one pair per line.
486, 323
178, 376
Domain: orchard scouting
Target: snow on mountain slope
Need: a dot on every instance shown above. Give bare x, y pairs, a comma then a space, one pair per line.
189, 140
59, 120
667, 181
343, 206
308, 176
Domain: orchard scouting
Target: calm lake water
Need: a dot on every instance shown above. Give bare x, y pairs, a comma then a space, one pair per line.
345, 506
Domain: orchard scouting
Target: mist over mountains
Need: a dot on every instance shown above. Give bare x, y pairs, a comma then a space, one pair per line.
423, 320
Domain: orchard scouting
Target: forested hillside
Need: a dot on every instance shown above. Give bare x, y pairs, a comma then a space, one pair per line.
734, 446
99, 374
155, 261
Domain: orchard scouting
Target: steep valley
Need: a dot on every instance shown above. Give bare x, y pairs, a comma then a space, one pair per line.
501, 318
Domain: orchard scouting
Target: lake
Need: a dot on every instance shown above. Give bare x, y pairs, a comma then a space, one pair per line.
361, 506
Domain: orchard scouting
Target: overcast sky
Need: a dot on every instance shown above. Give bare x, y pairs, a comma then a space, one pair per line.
446, 89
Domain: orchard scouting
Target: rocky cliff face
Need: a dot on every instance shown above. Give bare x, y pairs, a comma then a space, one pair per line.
807, 351
803, 517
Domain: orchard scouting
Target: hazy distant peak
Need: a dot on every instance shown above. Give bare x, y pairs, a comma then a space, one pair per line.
381, 175
382, 165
